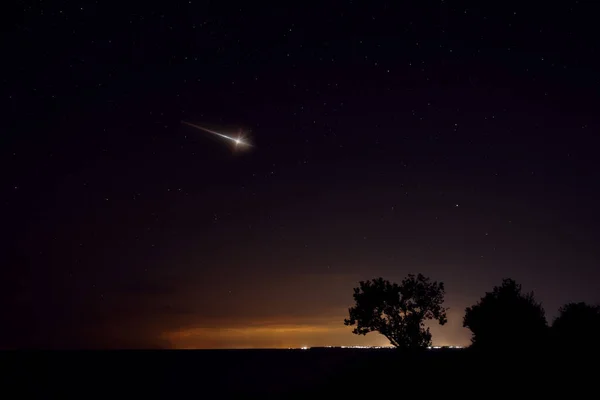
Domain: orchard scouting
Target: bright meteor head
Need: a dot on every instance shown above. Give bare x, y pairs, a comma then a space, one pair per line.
239, 143
241, 140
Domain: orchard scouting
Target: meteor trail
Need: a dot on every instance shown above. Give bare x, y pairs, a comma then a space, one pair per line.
237, 141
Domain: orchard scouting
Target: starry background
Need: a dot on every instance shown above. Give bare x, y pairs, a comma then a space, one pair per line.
454, 139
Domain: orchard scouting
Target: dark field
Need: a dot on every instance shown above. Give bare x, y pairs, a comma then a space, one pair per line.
274, 373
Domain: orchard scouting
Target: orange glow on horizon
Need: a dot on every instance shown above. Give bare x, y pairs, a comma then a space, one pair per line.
292, 332
270, 336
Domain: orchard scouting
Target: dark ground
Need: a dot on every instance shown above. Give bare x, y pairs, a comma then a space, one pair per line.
275, 373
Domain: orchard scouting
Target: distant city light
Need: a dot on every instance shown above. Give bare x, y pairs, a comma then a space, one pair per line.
372, 347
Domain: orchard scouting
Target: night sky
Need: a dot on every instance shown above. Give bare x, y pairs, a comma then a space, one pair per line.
454, 139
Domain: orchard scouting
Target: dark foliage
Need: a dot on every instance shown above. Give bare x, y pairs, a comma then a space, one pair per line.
506, 318
398, 312
577, 326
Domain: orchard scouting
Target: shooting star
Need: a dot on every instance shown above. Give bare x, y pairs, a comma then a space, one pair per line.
239, 142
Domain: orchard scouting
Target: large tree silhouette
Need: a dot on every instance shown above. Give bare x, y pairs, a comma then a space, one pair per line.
506, 317
577, 326
398, 312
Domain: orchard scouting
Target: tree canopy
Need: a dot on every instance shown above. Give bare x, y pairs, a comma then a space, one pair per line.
577, 326
506, 317
398, 312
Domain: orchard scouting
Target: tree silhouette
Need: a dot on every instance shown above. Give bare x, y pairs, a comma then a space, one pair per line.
506, 317
577, 326
398, 312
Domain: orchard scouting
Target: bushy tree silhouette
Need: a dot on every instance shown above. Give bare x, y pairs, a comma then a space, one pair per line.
506, 318
398, 312
577, 326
